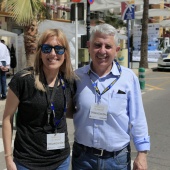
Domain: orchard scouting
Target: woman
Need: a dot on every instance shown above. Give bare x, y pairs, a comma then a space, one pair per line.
42, 95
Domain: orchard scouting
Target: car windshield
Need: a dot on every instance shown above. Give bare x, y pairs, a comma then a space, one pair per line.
167, 50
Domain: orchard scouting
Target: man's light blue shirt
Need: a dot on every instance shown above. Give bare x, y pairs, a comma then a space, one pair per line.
125, 116
4, 54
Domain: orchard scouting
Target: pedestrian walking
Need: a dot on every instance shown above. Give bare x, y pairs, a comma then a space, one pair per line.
4, 67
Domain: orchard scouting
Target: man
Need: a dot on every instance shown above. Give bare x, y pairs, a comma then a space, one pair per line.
3, 41
4, 66
109, 110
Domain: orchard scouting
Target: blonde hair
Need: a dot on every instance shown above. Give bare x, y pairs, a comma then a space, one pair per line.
66, 68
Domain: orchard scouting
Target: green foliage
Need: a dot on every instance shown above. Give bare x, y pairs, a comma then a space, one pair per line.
114, 20
24, 11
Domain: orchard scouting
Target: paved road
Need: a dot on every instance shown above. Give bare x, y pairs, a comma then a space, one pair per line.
156, 103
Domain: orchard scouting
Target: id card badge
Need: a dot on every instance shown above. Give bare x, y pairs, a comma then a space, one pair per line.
98, 111
55, 141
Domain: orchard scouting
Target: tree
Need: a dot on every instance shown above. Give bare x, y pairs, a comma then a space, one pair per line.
114, 20
144, 38
27, 13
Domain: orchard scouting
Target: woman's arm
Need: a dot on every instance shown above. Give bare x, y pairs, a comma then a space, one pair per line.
11, 105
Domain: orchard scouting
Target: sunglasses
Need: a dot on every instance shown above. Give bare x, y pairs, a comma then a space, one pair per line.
45, 48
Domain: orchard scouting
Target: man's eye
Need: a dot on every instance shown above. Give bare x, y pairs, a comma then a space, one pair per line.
97, 45
108, 47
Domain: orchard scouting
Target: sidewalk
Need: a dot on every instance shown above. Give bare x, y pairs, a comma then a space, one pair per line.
135, 66
2, 106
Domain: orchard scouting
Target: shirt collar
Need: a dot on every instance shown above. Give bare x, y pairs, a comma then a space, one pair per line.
114, 71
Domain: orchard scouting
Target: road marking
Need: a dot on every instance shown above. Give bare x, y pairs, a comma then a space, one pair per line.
155, 87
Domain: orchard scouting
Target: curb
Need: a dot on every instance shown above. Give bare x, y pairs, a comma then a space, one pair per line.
146, 70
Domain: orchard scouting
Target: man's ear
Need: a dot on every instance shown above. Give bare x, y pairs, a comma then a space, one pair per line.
88, 44
117, 49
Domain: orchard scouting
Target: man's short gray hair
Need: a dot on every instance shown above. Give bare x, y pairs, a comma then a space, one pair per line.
105, 29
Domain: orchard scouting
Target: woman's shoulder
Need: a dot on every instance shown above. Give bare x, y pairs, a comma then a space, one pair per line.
24, 75
24, 72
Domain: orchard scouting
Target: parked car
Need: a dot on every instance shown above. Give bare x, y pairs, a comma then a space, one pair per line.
164, 60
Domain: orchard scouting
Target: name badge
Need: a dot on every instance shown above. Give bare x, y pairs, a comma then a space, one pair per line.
98, 111
55, 141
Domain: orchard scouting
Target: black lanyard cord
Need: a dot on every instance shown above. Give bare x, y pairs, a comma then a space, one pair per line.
50, 98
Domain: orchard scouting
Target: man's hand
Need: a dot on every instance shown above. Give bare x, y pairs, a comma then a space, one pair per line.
4, 68
140, 163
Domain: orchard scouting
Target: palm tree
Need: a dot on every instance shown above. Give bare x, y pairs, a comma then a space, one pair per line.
144, 38
114, 20
26, 13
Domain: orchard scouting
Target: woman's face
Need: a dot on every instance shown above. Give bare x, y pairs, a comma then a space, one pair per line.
51, 60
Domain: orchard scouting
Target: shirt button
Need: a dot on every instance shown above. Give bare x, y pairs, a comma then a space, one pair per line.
96, 126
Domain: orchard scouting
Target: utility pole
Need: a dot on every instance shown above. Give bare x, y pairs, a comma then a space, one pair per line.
88, 20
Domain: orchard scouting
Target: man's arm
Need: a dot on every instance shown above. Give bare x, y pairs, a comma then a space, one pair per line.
6, 68
139, 129
3, 66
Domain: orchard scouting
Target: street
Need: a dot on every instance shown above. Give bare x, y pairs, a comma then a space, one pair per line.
156, 99
157, 106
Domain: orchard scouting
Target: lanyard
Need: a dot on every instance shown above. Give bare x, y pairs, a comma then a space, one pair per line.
108, 87
50, 98
56, 122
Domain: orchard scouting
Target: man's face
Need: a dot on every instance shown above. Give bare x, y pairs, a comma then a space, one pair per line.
102, 51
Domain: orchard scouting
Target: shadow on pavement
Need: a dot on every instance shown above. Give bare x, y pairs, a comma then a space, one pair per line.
160, 70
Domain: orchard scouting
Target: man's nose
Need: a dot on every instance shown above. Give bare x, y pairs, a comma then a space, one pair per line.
102, 49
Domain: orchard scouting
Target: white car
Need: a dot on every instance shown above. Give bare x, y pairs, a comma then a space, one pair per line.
164, 60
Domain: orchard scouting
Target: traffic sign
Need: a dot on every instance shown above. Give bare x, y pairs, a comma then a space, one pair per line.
128, 11
90, 1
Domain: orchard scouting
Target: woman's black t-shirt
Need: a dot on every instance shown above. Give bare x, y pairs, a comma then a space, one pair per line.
30, 145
